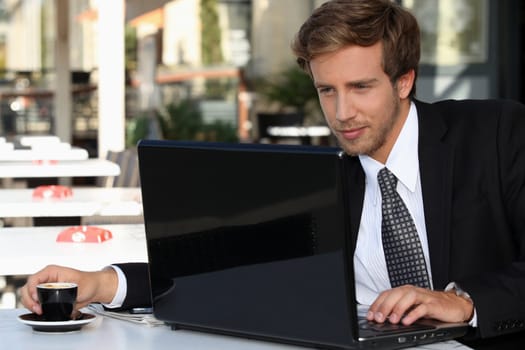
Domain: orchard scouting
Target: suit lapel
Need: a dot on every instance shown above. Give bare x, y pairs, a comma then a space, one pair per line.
435, 165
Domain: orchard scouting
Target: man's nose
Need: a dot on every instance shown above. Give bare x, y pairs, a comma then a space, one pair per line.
345, 109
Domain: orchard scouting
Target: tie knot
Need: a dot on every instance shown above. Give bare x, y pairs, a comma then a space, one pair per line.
387, 182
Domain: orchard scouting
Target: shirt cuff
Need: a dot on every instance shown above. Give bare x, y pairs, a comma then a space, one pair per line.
122, 289
474, 321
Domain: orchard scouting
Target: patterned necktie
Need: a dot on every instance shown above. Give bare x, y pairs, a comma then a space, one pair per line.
403, 253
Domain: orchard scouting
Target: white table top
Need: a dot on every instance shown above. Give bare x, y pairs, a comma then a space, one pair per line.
30, 140
39, 154
109, 333
80, 168
85, 201
25, 250
38, 148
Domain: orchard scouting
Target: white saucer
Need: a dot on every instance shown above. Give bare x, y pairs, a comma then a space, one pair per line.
40, 325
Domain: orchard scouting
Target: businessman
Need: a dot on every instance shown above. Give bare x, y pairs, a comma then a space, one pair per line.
457, 169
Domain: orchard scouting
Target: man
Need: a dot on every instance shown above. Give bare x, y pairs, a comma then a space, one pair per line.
459, 167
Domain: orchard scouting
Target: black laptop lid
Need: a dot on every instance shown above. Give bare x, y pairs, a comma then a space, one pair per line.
249, 239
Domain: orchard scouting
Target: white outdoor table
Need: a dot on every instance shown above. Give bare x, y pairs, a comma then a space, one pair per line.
92, 167
108, 333
30, 140
25, 250
85, 201
38, 148
17, 155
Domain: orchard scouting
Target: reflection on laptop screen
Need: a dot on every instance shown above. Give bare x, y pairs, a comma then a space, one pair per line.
251, 240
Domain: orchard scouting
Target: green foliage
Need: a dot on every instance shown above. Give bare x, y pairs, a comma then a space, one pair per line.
183, 121
220, 131
130, 45
137, 129
218, 89
291, 88
211, 33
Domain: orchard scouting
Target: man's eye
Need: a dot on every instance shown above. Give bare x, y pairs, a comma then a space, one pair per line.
324, 90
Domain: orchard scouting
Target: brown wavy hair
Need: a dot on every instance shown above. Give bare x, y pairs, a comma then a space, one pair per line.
340, 23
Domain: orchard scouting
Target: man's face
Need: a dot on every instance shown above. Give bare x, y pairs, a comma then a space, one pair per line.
361, 106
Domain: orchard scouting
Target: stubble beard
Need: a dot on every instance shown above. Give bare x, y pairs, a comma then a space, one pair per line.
369, 144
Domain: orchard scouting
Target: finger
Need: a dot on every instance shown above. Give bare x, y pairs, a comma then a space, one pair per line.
80, 305
410, 299
36, 308
383, 305
41, 276
374, 308
29, 296
29, 301
24, 297
393, 304
415, 314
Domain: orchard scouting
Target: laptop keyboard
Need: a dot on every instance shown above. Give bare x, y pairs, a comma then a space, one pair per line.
391, 328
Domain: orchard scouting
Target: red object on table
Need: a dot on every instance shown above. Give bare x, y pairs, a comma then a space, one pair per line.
52, 192
84, 234
45, 161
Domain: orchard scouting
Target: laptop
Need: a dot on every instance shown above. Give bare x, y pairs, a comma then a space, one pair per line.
253, 240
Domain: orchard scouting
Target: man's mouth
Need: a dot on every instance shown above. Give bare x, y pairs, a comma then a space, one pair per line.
353, 133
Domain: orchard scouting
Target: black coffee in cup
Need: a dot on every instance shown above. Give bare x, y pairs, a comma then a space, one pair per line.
57, 300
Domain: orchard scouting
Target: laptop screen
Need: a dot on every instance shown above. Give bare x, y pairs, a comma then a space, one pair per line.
249, 240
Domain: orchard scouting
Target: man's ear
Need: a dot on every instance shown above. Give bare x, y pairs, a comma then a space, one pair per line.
405, 83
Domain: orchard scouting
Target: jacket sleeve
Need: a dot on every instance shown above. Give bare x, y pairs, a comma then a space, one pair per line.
138, 286
498, 289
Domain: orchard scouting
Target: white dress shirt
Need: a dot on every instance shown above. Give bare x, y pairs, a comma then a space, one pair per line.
122, 289
371, 275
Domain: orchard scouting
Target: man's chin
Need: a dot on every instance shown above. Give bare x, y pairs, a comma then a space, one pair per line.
351, 150
358, 148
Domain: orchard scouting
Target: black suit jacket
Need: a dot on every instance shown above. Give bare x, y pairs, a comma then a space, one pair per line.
472, 166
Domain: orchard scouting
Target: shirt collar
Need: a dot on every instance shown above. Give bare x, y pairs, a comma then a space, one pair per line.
403, 160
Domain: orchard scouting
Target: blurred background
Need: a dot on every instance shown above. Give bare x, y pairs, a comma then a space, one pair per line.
104, 74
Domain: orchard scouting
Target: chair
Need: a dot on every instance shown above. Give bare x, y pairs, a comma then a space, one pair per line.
129, 171
129, 177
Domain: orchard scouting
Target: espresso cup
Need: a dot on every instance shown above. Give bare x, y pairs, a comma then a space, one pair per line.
57, 300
